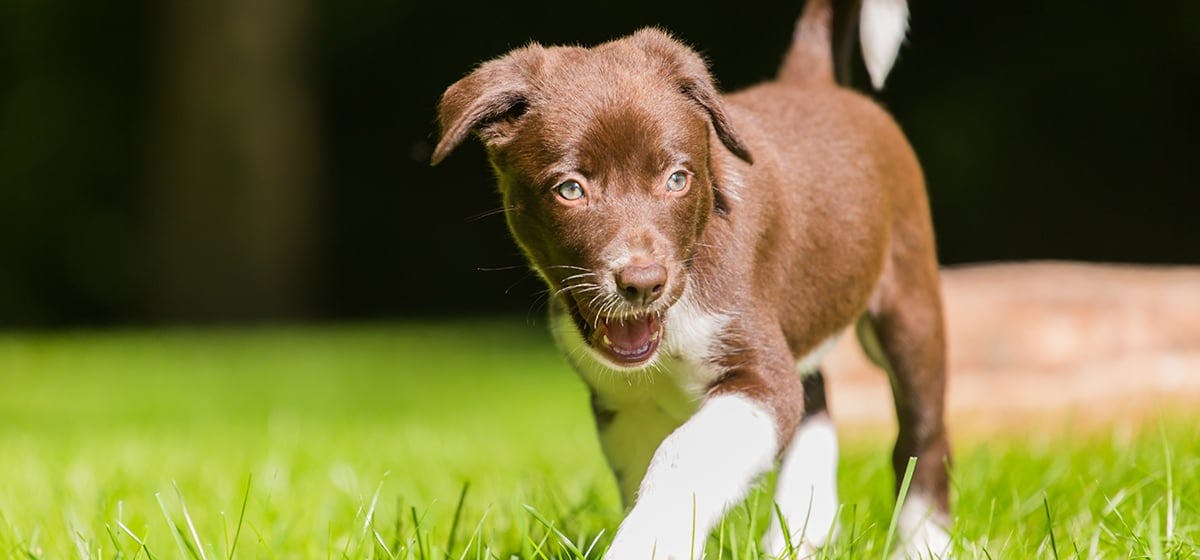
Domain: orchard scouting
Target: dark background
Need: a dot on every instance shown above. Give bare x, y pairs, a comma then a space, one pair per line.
268, 159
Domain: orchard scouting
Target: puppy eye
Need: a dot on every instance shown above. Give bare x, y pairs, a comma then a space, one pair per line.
570, 190
678, 182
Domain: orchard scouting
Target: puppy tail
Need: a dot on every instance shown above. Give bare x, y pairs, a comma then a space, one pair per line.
882, 25
823, 43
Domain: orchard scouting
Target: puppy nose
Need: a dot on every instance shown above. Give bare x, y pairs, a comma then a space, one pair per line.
642, 283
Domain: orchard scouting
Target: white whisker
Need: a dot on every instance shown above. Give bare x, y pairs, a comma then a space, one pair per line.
574, 276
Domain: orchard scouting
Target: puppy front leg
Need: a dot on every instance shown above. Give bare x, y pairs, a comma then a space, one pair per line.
695, 475
806, 488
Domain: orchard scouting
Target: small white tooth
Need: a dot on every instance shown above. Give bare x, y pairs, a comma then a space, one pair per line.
654, 336
605, 340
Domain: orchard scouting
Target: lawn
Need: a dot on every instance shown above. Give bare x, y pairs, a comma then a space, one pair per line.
466, 440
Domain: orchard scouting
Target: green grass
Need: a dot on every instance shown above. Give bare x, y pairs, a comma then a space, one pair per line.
359, 441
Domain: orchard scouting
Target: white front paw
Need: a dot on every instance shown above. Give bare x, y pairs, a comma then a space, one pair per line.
654, 540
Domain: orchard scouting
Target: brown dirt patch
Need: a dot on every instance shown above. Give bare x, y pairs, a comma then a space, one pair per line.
1093, 345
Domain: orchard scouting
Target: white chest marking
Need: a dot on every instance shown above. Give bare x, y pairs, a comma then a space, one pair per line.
678, 376
693, 342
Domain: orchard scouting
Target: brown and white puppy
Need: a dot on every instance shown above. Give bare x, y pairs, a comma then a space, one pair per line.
704, 251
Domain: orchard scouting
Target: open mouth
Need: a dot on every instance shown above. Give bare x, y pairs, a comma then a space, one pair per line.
628, 340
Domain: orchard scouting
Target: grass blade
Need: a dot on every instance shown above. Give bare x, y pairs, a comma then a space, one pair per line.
1050, 526
422, 544
789, 549
537, 547
188, 517
566, 542
382, 545
832, 527
692, 543
262, 541
183, 549
592, 546
853, 531
80, 547
721, 539
807, 515
369, 518
116, 543
476, 534
752, 543
241, 517
1170, 528
891, 534
462, 498
141, 543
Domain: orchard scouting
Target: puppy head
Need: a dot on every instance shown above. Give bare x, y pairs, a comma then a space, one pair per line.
602, 156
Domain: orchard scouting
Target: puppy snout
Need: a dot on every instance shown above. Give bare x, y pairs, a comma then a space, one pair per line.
641, 284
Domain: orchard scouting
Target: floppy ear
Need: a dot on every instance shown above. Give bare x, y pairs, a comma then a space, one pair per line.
692, 78
496, 91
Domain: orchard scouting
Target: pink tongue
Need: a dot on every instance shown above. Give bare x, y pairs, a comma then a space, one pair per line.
630, 335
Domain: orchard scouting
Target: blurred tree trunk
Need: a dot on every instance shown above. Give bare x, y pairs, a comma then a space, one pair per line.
233, 162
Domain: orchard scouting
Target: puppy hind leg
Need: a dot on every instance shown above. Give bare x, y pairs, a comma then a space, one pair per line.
806, 488
906, 341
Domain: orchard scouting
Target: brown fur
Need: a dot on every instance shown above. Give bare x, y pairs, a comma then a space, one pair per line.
806, 209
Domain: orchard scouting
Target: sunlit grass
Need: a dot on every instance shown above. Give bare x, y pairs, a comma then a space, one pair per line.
467, 440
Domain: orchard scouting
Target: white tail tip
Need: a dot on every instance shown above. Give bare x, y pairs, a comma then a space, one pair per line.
881, 28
